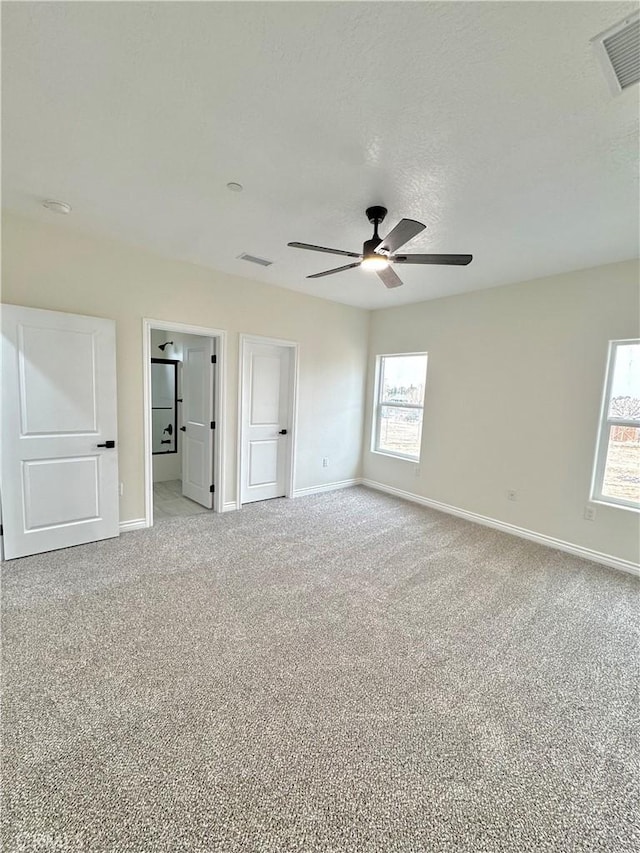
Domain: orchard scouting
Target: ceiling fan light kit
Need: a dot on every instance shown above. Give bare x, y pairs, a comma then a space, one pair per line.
379, 254
373, 263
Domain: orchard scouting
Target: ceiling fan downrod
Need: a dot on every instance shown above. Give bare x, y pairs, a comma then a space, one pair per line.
376, 216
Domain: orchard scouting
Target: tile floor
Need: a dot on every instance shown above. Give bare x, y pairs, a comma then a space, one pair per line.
168, 501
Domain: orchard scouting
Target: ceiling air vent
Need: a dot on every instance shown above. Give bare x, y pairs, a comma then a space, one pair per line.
618, 49
254, 260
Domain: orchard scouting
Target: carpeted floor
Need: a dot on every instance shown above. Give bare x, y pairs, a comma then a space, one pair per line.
344, 673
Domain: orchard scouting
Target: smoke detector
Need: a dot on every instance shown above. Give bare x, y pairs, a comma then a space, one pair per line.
618, 50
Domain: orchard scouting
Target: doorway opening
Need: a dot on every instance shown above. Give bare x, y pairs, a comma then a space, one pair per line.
183, 399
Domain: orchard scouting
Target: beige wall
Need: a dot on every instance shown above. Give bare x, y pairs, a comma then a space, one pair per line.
48, 266
513, 389
167, 467
513, 395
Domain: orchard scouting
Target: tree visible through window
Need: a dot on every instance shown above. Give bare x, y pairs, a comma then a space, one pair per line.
399, 404
617, 470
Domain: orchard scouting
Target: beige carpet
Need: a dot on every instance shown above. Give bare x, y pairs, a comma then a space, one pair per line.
344, 673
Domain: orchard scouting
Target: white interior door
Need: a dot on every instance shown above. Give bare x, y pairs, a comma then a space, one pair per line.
266, 427
197, 413
59, 481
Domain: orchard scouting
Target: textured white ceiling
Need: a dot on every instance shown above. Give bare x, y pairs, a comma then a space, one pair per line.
490, 122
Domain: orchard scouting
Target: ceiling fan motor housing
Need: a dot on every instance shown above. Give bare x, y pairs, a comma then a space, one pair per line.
376, 214
369, 248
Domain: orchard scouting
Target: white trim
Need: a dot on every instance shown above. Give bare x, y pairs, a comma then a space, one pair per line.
133, 524
603, 502
146, 418
293, 409
602, 439
413, 459
219, 443
260, 339
522, 532
378, 405
326, 487
229, 506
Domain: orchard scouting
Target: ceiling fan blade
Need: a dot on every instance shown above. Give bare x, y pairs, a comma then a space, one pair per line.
324, 249
456, 260
401, 234
337, 269
389, 278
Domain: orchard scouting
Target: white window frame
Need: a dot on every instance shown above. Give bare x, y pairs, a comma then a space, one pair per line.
602, 444
378, 404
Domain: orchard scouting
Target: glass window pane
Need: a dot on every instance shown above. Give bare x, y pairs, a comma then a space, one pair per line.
624, 401
403, 378
400, 430
622, 468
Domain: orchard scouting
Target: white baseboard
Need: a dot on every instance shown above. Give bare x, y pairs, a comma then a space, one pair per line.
133, 524
326, 487
514, 530
229, 506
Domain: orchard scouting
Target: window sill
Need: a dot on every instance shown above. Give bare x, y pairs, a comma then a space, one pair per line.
414, 459
614, 505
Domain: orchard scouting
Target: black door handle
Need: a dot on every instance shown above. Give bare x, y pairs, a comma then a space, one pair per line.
183, 429
108, 444
282, 432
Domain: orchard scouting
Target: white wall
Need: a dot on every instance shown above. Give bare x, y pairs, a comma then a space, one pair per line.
513, 394
49, 266
167, 466
513, 389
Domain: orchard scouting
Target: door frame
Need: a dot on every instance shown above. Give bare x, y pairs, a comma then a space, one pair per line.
220, 337
293, 410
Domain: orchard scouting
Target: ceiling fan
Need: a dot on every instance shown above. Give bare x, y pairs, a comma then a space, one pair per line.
379, 253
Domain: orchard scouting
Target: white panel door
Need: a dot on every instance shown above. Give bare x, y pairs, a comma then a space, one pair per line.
59, 481
266, 380
197, 415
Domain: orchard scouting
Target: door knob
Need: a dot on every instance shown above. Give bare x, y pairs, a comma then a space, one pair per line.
183, 429
108, 444
282, 432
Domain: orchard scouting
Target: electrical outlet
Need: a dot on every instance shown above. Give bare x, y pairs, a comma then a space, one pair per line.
589, 513
121, 489
325, 461
512, 495
417, 471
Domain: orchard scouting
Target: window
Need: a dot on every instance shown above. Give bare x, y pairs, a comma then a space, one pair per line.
400, 381
616, 477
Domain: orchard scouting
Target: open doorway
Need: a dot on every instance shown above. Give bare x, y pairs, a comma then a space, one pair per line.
184, 378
